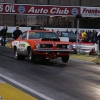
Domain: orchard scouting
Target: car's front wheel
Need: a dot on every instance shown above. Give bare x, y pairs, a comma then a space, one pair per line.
17, 56
31, 56
65, 59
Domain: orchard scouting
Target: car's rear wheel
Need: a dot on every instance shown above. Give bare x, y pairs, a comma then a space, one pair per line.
17, 56
65, 59
31, 56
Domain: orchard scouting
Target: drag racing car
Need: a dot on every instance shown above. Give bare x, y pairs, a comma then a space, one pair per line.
41, 44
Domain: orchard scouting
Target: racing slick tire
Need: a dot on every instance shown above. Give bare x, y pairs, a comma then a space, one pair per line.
17, 56
31, 56
65, 59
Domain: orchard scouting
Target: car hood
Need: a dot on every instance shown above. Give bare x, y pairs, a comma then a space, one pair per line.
40, 41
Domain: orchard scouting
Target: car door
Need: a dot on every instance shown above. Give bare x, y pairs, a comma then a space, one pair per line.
22, 43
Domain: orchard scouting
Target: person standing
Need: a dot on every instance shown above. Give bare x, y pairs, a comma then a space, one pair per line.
98, 35
95, 37
16, 33
3, 35
84, 36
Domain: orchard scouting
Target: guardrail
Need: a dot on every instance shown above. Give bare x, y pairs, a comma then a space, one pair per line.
83, 47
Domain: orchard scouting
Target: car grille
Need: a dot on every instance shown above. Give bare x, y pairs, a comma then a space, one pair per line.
61, 46
46, 46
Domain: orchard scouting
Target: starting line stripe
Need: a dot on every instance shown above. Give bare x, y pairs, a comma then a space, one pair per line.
24, 87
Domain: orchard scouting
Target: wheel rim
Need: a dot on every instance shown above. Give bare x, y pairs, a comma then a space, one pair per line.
16, 54
30, 55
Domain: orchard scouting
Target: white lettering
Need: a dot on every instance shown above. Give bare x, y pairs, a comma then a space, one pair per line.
1, 8
12, 8
45, 11
9, 8
53, 10
31, 10
41, 10
37, 10
59, 11
66, 11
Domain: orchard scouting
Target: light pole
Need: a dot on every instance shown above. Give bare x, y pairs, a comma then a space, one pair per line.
77, 34
78, 17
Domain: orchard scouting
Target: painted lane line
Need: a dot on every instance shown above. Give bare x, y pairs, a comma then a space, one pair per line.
1, 81
25, 87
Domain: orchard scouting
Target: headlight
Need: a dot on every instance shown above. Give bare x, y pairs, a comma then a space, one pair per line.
69, 46
37, 46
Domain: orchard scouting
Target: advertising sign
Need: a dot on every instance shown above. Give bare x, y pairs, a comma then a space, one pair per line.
90, 11
39, 10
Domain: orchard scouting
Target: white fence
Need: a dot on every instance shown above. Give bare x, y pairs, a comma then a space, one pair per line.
11, 29
84, 48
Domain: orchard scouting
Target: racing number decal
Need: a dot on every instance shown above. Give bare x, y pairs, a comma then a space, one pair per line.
21, 46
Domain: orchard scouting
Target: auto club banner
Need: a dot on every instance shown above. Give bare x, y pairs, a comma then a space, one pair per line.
38, 9
90, 11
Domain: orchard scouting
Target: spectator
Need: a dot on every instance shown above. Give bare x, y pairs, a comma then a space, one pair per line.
92, 36
58, 33
88, 35
67, 30
16, 33
71, 31
84, 35
3, 35
98, 35
95, 37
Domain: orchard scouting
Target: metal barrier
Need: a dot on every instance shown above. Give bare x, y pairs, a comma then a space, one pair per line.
84, 47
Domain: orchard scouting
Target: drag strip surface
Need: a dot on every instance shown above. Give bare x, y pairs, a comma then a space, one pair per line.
76, 80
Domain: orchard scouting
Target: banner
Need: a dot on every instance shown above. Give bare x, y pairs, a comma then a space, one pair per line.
39, 10
90, 11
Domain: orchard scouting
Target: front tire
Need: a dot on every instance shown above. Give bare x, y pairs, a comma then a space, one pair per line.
31, 56
65, 59
17, 56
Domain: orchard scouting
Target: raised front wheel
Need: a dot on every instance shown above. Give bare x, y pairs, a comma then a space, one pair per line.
65, 59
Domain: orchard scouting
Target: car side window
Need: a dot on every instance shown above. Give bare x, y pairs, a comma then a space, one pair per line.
34, 35
24, 36
65, 34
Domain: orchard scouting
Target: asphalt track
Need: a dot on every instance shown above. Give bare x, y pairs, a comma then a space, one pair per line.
76, 80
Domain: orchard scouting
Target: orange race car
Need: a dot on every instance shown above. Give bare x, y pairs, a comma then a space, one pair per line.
41, 44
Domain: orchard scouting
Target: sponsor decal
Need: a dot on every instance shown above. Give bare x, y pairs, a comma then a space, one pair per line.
90, 11
74, 11
38, 9
21, 9
22, 45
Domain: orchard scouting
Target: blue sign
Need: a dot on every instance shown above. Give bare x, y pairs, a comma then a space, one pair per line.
74, 11
21, 9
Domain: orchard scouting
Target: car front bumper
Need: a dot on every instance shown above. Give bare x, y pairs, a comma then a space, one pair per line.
52, 53
54, 50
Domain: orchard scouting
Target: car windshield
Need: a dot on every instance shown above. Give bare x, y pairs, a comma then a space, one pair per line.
39, 35
68, 34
